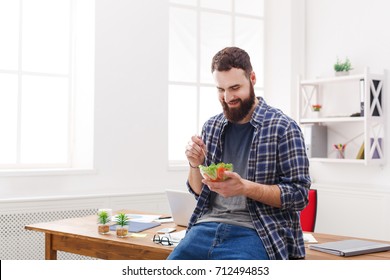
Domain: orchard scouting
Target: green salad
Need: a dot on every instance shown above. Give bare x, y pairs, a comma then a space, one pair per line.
216, 172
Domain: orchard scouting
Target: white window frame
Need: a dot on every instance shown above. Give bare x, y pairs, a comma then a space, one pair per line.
78, 161
183, 164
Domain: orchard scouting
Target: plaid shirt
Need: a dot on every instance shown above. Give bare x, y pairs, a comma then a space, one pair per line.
277, 157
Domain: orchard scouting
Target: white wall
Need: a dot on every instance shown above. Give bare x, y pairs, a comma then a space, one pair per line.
130, 109
358, 30
362, 35
284, 52
353, 199
131, 103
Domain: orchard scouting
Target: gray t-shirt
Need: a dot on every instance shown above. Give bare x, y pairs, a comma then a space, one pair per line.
233, 210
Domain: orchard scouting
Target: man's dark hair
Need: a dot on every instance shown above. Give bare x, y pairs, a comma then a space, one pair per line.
232, 57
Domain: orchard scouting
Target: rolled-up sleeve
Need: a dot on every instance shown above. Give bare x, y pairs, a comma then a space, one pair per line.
294, 179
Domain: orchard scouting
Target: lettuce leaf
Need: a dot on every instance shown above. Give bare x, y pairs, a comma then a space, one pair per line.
212, 170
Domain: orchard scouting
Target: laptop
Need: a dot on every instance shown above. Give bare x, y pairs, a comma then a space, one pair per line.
182, 205
351, 247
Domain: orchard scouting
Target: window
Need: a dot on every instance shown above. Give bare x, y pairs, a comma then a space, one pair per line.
46, 68
197, 30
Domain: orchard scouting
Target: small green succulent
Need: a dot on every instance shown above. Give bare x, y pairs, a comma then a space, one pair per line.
122, 219
103, 218
343, 66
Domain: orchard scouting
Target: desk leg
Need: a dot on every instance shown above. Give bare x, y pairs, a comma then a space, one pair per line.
50, 254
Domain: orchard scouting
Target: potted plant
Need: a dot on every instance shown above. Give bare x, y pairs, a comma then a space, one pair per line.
316, 107
342, 68
103, 220
122, 222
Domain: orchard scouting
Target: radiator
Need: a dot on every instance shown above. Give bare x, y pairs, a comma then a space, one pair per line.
16, 243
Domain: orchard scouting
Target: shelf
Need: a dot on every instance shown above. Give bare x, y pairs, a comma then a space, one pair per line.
331, 119
335, 125
335, 160
332, 80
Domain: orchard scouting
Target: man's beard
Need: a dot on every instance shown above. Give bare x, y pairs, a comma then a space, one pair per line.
236, 115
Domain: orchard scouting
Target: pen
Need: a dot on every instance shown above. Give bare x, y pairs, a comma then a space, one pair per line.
162, 218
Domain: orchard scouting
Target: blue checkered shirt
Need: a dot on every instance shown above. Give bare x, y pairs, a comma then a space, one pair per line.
277, 157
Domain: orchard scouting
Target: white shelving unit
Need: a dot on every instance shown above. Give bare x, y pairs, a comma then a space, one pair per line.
352, 111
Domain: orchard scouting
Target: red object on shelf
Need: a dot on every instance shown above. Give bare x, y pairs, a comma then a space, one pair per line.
316, 107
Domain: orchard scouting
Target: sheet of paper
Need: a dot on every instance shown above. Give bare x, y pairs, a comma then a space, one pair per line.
138, 235
140, 218
309, 238
176, 236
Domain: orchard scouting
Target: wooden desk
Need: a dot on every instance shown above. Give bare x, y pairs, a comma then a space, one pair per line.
322, 238
80, 236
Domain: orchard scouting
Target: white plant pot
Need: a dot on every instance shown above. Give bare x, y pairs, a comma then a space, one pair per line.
342, 73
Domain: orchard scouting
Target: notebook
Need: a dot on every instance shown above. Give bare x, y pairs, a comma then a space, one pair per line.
350, 247
182, 205
138, 226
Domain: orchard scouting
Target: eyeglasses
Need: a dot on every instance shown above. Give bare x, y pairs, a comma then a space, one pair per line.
163, 240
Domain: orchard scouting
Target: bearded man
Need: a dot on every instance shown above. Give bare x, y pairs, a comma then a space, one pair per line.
254, 214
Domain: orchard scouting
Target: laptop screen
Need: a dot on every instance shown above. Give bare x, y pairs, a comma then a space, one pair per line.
182, 205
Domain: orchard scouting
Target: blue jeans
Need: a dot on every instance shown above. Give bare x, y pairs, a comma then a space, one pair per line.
219, 241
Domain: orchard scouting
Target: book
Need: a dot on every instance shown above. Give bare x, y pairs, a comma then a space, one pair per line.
350, 247
360, 154
138, 226
362, 94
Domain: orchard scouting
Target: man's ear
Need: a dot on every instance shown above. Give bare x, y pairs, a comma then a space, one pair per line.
253, 77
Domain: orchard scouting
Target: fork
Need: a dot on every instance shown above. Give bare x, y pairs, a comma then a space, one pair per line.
205, 157
204, 153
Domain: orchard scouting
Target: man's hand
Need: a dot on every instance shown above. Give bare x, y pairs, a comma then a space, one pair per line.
234, 185
195, 151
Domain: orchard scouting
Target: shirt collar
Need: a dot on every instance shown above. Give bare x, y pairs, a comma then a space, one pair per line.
259, 112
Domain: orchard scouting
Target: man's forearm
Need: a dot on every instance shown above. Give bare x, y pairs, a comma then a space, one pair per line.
195, 180
267, 194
